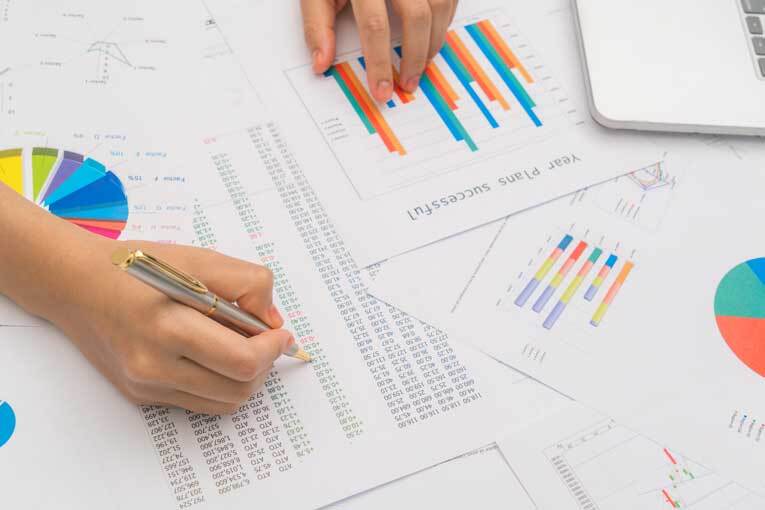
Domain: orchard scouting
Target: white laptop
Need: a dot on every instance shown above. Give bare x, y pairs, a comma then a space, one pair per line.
675, 65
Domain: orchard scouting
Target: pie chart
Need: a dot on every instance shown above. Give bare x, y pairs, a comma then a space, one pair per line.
740, 312
7, 422
73, 187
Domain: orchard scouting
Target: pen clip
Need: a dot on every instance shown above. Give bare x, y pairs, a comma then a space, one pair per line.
126, 258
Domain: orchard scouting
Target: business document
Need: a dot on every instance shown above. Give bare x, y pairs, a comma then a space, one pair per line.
580, 460
611, 287
499, 123
384, 390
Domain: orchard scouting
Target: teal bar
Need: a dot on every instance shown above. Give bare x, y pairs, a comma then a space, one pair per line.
595, 255
505, 72
349, 96
458, 67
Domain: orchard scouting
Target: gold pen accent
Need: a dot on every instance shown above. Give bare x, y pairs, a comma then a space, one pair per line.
124, 258
186, 289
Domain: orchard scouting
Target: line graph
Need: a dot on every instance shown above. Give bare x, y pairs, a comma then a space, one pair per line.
606, 465
84, 43
110, 49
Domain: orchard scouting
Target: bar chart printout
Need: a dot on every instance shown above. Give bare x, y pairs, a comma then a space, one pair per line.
438, 90
478, 98
581, 261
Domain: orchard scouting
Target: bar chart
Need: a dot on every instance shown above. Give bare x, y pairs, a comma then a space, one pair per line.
572, 265
484, 94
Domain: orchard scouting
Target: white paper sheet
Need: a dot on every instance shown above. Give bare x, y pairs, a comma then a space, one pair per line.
158, 186
43, 374
385, 392
116, 83
579, 459
441, 186
140, 67
656, 360
481, 478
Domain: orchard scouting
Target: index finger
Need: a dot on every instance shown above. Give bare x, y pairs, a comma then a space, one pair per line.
224, 351
372, 19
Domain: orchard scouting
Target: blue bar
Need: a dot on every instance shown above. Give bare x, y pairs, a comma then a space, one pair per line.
527, 292
363, 63
449, 56
443, 110
475, 31
507, 75
590, 294
563, 244
543, 299
554, 315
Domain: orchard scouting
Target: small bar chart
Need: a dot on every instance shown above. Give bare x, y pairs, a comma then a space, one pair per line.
485, 93
583, 259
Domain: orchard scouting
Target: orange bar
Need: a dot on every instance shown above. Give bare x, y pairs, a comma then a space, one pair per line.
440, 87
484, 82
402, 94
499, 43
443, 87
346, 72
381, 122
383, 129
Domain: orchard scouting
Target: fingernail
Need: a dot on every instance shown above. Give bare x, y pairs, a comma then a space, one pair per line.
292, 347
384, 90
412, 83
276, 317
316, 57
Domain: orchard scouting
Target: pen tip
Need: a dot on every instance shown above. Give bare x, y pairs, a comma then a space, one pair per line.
304, 356
296, 352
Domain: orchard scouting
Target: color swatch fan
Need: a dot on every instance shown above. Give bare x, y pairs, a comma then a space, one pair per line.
740, 312
77, 189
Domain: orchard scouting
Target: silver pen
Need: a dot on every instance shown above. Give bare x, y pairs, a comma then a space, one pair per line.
186, 289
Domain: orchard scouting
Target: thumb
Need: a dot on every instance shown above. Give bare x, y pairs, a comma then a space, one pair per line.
319, 30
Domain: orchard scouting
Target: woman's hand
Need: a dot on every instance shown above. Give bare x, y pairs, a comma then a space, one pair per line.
154, 350
425, 23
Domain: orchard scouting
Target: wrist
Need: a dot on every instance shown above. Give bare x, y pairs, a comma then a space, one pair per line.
74, 278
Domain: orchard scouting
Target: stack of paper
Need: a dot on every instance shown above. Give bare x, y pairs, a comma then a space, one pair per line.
508, 305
